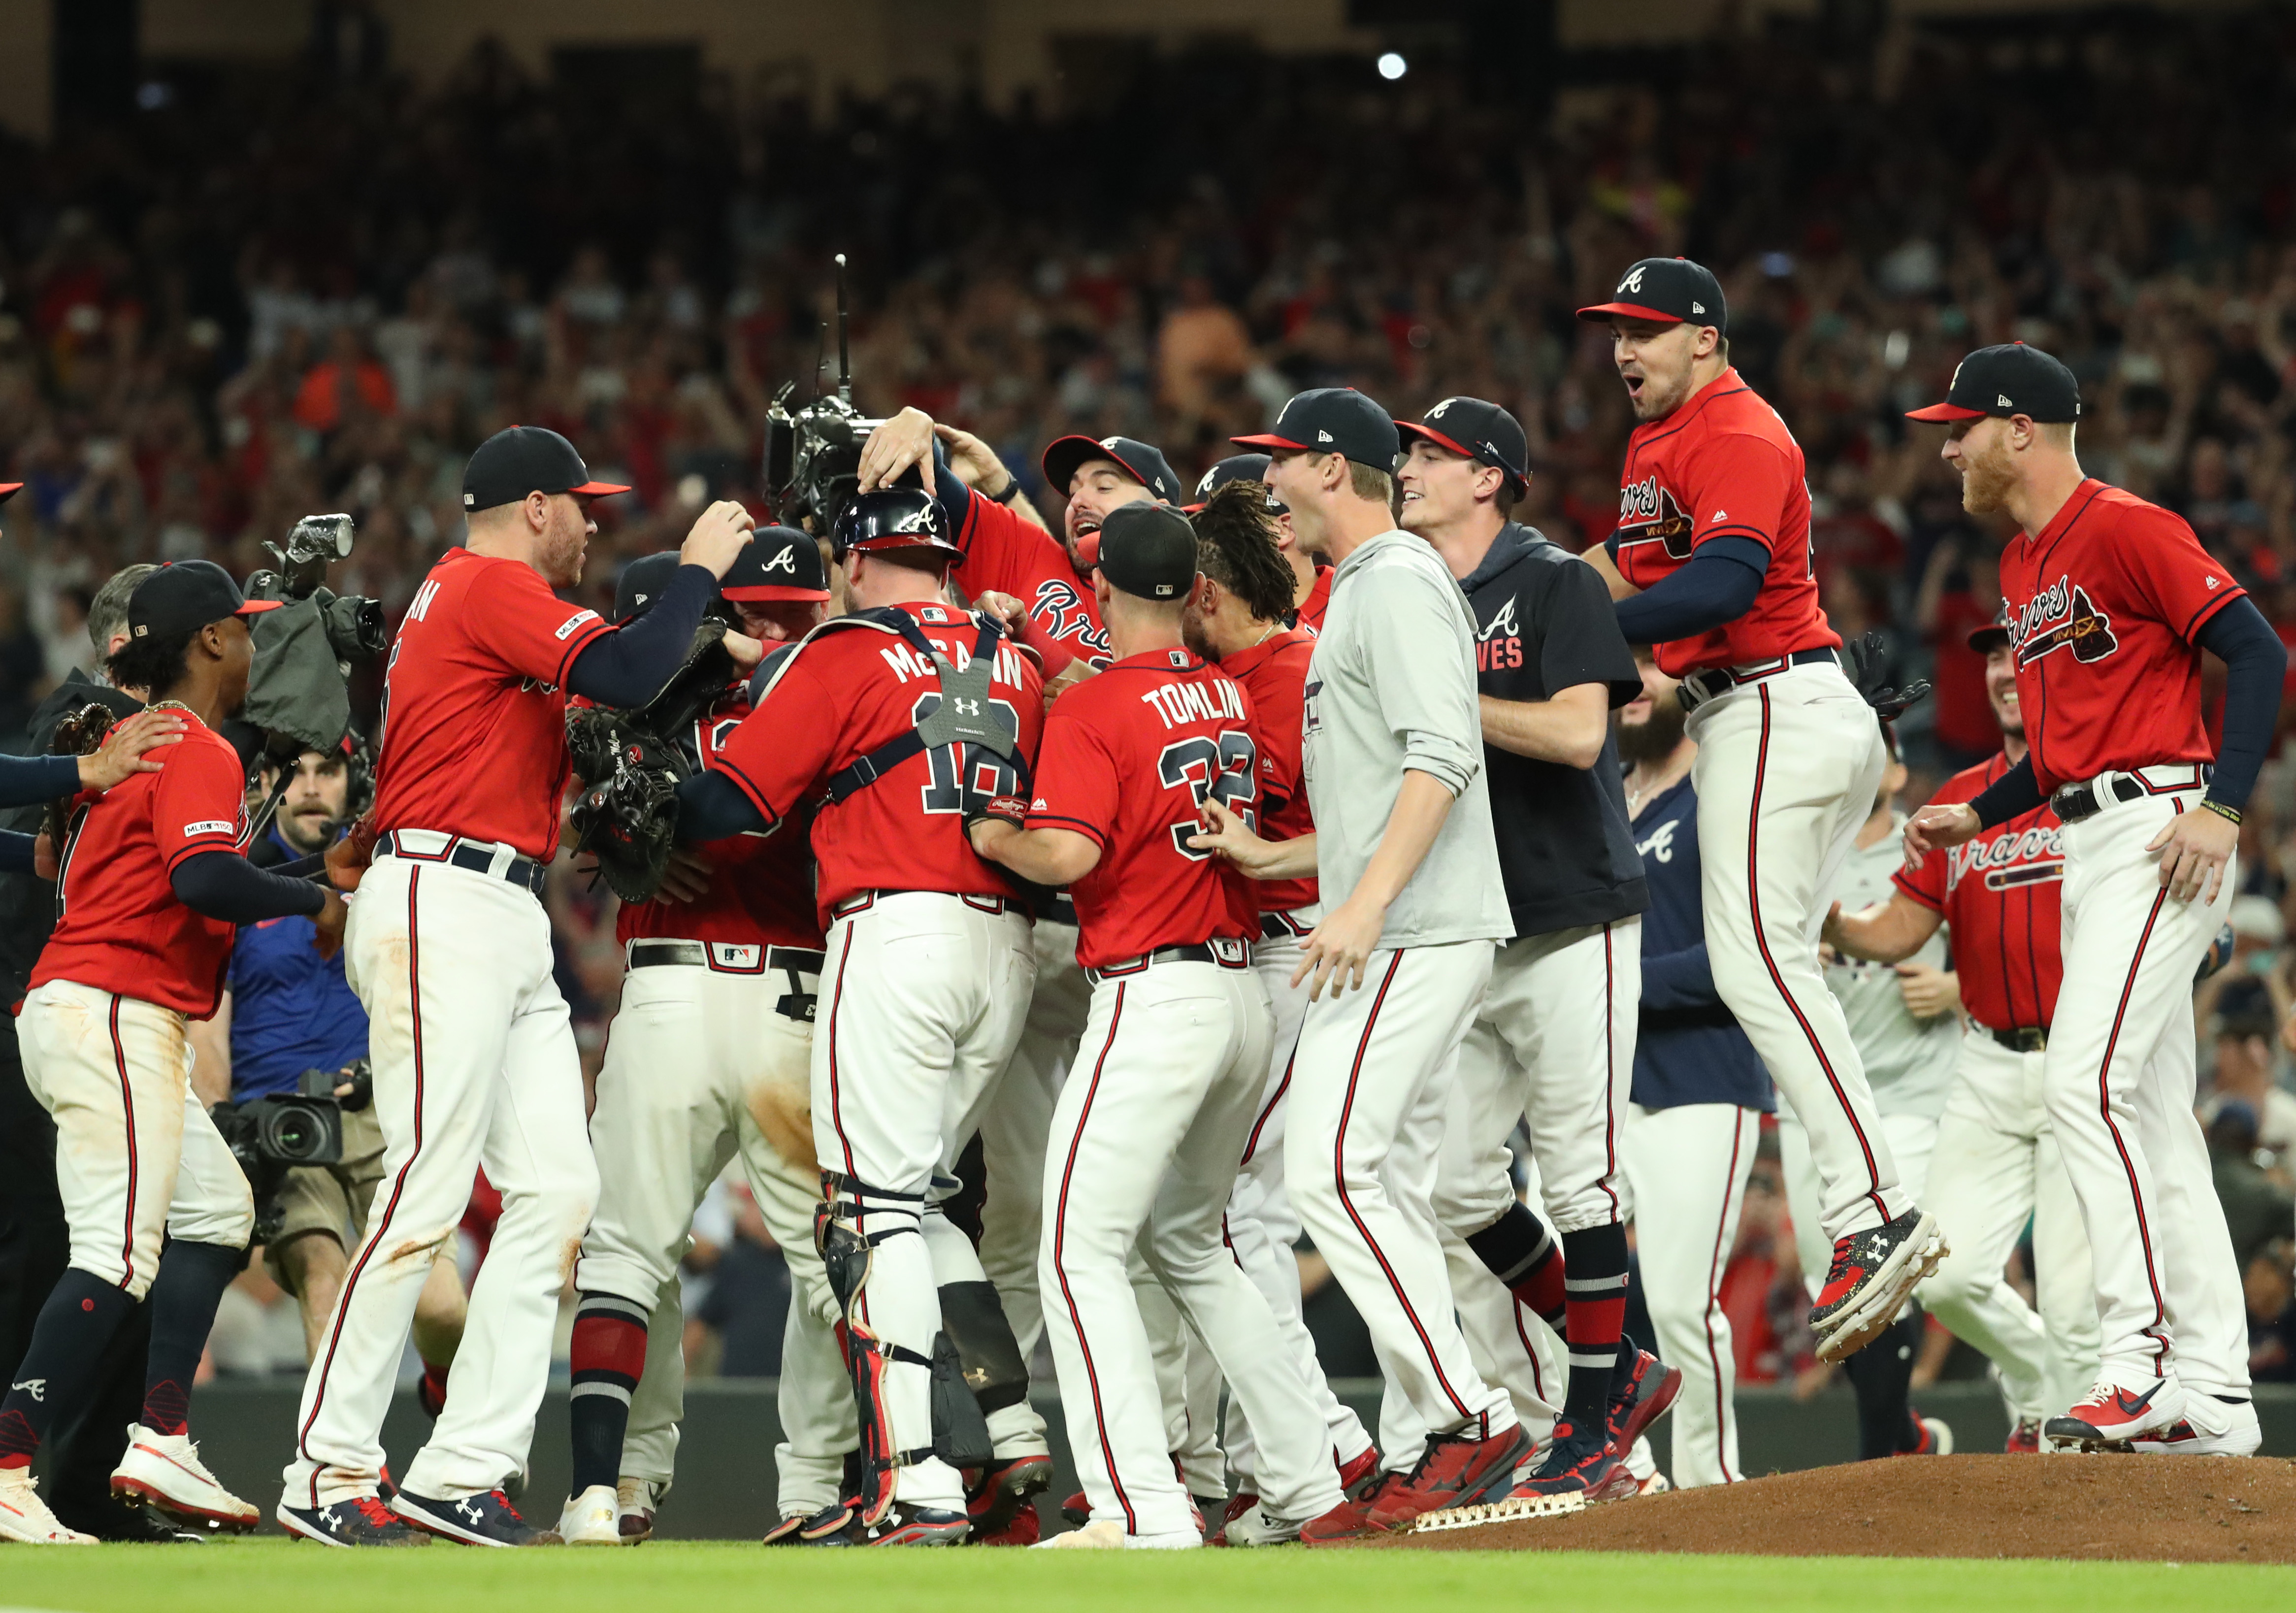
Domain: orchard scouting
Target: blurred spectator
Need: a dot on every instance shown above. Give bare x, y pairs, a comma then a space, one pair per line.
2245, 1081
2257, 1207
747, 1304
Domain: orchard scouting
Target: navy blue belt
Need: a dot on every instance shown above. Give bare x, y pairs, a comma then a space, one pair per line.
479, 858
1714, 682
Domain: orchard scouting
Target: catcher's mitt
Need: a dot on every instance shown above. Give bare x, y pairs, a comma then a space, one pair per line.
698, 684
626, 815
81, 733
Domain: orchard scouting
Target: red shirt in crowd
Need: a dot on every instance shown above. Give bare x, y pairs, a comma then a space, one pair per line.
1272, 674
2000, 895
760, 889
2103, 604
474, 707
1723, 465
1129, 757
843, 693
122, 929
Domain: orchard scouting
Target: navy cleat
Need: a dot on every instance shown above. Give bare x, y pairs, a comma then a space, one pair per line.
362, 1520
485, 1519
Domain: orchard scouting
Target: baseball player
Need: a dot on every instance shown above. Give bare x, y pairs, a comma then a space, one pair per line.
1234, 619
449, 949
1554, 1042
2109, 598
709, 1057
1148, 1132
1996, 1165
153, 882
1699, 1094
1711, 563
1905, 1022
1311, 584
894, 719
1393, 757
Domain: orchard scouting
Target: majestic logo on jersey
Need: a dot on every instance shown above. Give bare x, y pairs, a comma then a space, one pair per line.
1659, 847
2062, 615
1065, 617
2034, 856
1498, 642
1648, 514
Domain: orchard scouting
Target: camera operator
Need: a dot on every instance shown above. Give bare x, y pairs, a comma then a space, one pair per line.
286, 1010
153, 882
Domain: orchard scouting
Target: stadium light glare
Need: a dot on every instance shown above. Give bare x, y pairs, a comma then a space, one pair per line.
1392, 66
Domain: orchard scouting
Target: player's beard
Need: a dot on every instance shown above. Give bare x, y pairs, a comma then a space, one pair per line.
1654, 739
561, 557
1986, 479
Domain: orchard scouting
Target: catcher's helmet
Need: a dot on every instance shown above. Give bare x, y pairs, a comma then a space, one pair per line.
894, 518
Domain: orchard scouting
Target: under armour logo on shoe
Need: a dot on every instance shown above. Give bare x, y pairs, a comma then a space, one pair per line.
470, 1512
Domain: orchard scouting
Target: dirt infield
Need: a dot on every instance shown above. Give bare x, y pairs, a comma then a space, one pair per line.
2157, 1509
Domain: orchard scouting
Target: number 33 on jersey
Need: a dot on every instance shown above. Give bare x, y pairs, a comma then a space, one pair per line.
1130, 758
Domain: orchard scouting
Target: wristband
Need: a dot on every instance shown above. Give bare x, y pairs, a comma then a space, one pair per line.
2231, 815
1012, 491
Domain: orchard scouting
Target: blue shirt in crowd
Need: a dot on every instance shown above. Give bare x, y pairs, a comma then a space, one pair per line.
1689, 1048
290, 1008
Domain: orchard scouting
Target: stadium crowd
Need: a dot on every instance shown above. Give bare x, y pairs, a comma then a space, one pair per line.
273, 295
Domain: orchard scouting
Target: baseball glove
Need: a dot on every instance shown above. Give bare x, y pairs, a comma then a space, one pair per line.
698, 684
81, 733
626, 815
1865, 661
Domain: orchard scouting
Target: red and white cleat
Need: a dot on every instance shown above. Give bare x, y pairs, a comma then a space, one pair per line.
165, 1471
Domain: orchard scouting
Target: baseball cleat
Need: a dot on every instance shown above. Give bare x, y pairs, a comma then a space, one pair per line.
1577, 1464
1937, 1438
2212, 1426
1657, 1483
1358, 1475
1352, 1520
1003, 1489
1238, 1504
165, 1471
909, 1525
1026, 1529
1255, 1526
833, 1526
1453, 1471
1105, 1536
2111, 1417
362, 1520
25, 1518
1076, 1510
1872, 1274
2025, 1439
593, 1518
485, 1519
1203, 1508
1647, 1394
634, 1504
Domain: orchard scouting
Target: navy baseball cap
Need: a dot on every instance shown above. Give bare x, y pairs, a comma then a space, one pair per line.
1478, 430
1994, 634
781, 563
1148, 551
1144, 463
2010, 378
184, 596
520, 460
641, 581
1672, 290
1236, 467
1332, 420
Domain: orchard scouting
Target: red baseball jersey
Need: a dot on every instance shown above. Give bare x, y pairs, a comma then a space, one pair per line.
1129, 757
842, 694
474, 705
1006, 553
760, 891
122, 929
1273, 676
2000, 894
2103, 605
1310, 614
1723, 465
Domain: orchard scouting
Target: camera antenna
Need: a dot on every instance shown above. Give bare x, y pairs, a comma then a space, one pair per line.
844, 364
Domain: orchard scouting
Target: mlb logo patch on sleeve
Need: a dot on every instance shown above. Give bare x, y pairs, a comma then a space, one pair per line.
209, 826
565, 628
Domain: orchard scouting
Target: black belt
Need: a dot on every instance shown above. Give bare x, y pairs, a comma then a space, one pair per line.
2073, 802
799, 963
861, 901
2024, 1039
1700, 687
521, 870
1278, 926
1227, 950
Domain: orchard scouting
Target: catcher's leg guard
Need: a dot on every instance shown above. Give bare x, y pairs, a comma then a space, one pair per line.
993, 1368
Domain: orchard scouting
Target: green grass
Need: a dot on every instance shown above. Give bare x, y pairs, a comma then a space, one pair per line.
260, 1576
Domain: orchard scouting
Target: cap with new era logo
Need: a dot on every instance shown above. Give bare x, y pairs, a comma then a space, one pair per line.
520, 460
184, 596
1144, 463
641, 581
1332, 420
1478, 430
1672, 290
780, 563
2009, 379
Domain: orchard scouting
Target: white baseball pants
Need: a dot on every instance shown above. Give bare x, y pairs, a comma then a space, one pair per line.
137, 1160
1786, 771
1370, 1087
2118, 1080
1261, 1227
1145, 1142
1996, 1166
474, 1064
921, 1000
1686, 1170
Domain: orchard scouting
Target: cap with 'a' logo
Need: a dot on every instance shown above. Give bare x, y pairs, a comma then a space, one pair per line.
2009, 379
781, 563
1236, 467
1144, 463
1478, 430
520, 460
1148, 551
1673, 291
1332, 420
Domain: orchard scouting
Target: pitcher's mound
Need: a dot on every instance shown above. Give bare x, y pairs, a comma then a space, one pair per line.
2158, 1508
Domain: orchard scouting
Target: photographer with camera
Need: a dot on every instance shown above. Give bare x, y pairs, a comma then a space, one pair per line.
288, 1046
153, 884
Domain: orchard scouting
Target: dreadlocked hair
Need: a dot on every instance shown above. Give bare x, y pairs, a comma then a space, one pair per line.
1235, 547
155, 665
